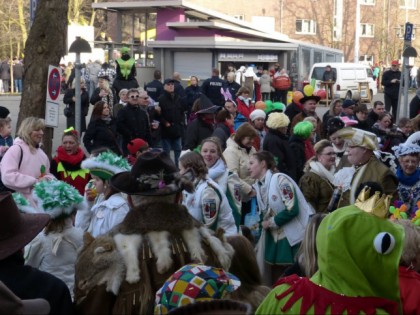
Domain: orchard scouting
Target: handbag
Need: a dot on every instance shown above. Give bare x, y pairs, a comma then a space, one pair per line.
68, 112
3, 187
252, 220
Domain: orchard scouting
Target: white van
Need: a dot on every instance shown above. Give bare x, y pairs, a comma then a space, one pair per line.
348, 75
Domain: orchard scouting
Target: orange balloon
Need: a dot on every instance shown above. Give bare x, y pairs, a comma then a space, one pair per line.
260, 105
297, 95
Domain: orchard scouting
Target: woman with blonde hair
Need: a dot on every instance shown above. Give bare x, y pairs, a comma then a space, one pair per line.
25, 163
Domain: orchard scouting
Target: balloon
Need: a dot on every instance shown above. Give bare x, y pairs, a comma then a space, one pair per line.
308, 90
297, 95
322, 94
260, 105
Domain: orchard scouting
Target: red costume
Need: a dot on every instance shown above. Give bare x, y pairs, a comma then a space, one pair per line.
67, 168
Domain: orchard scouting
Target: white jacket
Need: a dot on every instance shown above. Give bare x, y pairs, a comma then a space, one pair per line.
208, 204
56, 253
103, 216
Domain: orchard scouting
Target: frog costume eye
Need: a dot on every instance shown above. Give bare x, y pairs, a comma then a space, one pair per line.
384, 243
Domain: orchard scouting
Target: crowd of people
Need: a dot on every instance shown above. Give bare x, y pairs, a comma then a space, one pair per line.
263, 207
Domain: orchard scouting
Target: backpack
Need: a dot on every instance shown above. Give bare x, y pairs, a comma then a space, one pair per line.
3, 187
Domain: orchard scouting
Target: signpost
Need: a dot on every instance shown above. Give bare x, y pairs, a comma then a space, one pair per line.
52, 107
402, 110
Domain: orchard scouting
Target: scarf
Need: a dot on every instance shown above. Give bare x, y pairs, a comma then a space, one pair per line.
231, 129
319, 169
70, 159
245, 100
217, 170
107, 120
409, 180
309, 149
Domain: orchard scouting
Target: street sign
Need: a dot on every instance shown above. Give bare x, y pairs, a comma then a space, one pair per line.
52, 106
408, 31
32, 7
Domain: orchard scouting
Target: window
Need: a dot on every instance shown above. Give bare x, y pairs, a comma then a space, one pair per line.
408, 4
367, 2
305, 27
367, 30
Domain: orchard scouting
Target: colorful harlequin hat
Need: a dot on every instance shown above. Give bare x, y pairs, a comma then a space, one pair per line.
106, 164
193, 283
57, 198
23, 204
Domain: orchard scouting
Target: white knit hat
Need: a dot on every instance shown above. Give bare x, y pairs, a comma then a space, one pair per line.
257, 113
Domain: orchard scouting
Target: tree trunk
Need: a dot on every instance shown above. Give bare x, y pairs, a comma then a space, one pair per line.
45, 46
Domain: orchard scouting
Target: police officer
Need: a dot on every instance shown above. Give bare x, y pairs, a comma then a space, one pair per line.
212, 88
155, 88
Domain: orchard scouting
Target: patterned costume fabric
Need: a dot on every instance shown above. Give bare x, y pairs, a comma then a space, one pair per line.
193, 283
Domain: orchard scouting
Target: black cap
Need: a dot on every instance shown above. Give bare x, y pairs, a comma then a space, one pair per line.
4, 112
169, 81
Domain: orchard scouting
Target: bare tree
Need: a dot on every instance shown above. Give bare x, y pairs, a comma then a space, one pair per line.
45, 46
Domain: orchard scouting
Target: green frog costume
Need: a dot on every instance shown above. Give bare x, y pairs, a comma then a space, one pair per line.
358, 257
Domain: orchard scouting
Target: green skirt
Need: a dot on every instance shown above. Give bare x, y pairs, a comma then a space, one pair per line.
280, 252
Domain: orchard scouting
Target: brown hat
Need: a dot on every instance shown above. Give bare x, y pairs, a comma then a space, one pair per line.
16, 229
11, 304
245, 130
154, 173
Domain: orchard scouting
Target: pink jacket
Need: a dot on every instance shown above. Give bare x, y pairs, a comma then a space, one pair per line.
23, 179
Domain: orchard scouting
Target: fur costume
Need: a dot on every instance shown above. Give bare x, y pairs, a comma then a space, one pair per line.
153, 241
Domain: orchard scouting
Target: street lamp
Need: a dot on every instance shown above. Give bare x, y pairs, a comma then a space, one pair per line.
78, 46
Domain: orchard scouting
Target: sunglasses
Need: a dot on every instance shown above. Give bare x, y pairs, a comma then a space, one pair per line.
134, 96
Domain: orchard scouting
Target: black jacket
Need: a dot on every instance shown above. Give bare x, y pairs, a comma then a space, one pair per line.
30, 283
96, 98
277, 143
297, 146
191, 94
154, 89
414, 106
223, 133
101, 134
211, 88
172, 112
233, 88
391, 89
132, 122
84, 98
197, 131
372, 118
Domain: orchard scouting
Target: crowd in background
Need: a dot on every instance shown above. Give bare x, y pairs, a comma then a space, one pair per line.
292, 193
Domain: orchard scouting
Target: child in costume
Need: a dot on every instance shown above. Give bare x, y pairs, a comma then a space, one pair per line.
107, 206
358, 258
55, 249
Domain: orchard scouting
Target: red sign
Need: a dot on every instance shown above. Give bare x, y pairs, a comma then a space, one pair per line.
54, 84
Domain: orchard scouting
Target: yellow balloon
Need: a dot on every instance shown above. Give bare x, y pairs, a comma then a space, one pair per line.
308, 90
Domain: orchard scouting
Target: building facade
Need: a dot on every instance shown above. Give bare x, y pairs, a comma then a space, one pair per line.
332, 23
